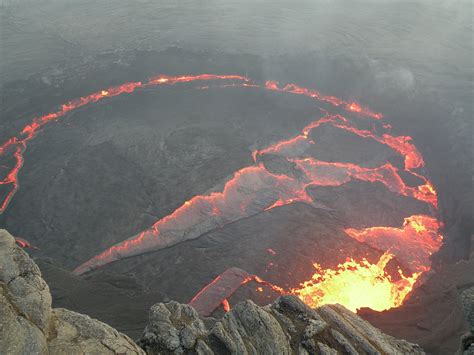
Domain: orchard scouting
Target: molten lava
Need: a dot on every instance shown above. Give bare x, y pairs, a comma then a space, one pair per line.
412, 245
363, 284
356, 284
314, 94
257, 188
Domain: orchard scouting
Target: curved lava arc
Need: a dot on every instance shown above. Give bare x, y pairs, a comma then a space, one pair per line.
255, 188
16, 145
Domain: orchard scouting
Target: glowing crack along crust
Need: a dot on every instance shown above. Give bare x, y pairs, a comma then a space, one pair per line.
314, 94
256, 188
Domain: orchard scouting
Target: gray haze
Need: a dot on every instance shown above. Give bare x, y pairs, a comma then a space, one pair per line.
424, 44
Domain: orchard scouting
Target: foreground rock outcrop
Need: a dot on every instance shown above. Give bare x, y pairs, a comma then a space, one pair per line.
287, 326
28, 324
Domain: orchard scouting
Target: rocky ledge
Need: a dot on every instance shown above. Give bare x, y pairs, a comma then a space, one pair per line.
287, 326
28, 324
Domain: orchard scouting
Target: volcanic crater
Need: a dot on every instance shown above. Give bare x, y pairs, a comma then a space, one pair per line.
148, 189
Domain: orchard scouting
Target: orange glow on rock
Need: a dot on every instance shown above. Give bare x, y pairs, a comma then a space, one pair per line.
226, 305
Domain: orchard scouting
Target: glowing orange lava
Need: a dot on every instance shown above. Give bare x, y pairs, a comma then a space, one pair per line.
356, 284
226, 305
314, 94
412, 245
255, 188
363, 284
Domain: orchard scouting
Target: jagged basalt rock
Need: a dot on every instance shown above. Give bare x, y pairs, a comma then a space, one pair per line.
28, 325
173, 325
287, 326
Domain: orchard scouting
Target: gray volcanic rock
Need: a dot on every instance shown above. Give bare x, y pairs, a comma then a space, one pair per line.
467, 297
75, 333
25, 301
467, 340
287, 326
28, 325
